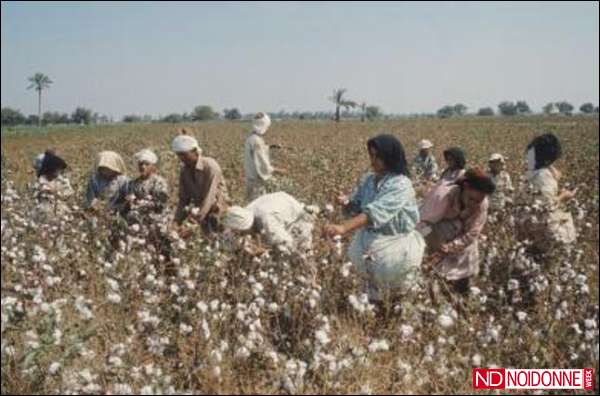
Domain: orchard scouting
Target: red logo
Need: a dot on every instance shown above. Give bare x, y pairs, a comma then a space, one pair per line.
488, 378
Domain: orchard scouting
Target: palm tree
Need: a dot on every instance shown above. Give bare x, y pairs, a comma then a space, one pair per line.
338, 99
40, 82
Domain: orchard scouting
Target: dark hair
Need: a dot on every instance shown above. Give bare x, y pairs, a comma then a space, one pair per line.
51, 163
547, 149
478, 180
458, 155
390, 151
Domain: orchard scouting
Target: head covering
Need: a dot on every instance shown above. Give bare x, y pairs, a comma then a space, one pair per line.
390, 151
184, 144
146, 156
261, 123
547, 150
37, 162
112, 161
458, 155
477, 179
238, 218
51, 163
425, 144
496, 157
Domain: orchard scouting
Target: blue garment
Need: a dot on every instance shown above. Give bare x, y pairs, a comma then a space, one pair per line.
389, 250
390, 204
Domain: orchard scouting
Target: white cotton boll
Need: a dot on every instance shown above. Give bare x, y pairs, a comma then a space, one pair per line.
202, 307
115, 361
476, 360
114, 298
589, 324
445, 321
242, 353
174, 289
54, 368
185, 329
406, 332
379, 345
345, 270
521, 316
329, 208
513, 284
322, 337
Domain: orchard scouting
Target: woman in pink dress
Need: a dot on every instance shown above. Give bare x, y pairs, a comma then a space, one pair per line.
452, 227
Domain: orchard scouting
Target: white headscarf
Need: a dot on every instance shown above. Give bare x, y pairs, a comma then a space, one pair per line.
37, 161
146, 156
112, 161
260, 125
184, 144
425, 144
531, 159
496, 157
238, 218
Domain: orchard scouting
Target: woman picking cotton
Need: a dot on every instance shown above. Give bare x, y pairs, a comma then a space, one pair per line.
286, 224
452, 228
149, 192
386, 247
107, 181
548, 224
257, 163
52, 187
455, 168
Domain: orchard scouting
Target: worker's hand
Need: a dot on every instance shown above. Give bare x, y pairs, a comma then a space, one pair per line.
445, 248
332, 230
185, 233
568, 194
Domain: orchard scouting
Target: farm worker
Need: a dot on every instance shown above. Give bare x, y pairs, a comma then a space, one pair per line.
202, 191
452, 228
549, 223
425, 166
106, 182
286, 223
52, 188
257, 164
502, 180
455, 168
149, 189
386, 247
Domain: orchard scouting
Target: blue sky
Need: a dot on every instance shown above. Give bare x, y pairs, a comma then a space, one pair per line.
157, 58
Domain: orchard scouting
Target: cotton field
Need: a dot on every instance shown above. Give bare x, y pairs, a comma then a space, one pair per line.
90, 305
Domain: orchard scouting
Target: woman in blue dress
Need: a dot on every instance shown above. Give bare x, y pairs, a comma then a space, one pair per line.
386, 247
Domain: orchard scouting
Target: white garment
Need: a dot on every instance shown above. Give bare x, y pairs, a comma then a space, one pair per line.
284, 221
560, 225
257, 165
392, 261
531, 159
